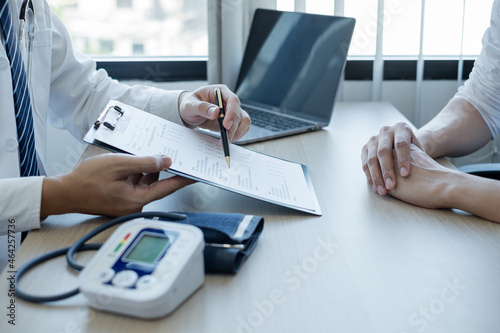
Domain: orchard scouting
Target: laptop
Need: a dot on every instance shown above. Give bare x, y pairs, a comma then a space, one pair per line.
290, 72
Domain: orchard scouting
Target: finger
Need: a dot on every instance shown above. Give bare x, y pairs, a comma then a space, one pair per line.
364, 163
373, 164
370, 162
211, 125
127, 164
386, 160
403, 136
199, 106
231, 102
231, 124
243, 127
233, 114
165, 187
201, 111
207, 110
243, 133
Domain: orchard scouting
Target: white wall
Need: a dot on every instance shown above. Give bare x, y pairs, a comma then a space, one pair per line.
401, 94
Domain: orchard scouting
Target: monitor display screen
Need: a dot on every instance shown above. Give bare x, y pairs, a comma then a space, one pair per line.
148, 249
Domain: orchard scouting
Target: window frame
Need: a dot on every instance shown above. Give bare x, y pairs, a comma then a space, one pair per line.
195, 69
168, 69
406, 69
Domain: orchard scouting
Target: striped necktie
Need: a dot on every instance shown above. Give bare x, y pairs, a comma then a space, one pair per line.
22, 101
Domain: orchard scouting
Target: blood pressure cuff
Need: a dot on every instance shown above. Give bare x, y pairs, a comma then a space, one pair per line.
229, 238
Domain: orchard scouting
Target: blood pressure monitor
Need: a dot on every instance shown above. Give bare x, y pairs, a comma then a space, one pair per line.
145, 269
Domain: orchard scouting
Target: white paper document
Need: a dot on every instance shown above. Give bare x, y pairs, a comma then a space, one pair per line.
199, 156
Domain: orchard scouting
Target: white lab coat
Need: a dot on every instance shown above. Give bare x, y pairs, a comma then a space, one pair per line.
66, 90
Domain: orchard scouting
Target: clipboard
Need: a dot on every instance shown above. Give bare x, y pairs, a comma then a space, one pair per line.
198, 156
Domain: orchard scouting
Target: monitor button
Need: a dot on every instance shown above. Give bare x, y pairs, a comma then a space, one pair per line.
106, 275
125, 279
145, 281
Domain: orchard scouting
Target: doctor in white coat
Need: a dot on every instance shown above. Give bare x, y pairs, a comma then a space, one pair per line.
67, 90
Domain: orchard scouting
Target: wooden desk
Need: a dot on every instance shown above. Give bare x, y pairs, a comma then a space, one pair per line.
369, 264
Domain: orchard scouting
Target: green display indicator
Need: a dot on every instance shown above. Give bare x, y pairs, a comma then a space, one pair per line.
148, 249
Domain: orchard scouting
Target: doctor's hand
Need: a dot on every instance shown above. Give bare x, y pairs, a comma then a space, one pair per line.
109, 184
198, 108
379, 166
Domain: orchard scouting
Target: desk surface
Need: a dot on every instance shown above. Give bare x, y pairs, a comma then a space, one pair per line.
369, 264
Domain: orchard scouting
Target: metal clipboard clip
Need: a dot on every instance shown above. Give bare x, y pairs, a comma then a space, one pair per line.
100, 120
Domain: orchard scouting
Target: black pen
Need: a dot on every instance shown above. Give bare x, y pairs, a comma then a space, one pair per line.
223, 132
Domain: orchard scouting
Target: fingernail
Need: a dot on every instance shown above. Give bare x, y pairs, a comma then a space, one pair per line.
230, 124
403, 171
388, 183
211, 111
380, 189
374, 188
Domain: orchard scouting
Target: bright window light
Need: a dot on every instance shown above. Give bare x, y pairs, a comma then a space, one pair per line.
477, 20
136, 27
401, 27
442, 27
319, 7
179, 27
365, 33
285, 5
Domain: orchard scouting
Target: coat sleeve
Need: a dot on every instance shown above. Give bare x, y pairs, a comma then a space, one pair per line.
482, 89
20, 201
20, 204
79, 92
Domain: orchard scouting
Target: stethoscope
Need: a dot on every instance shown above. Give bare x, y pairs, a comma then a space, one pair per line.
27, 27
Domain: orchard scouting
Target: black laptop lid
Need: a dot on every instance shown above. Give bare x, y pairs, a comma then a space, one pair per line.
294, 61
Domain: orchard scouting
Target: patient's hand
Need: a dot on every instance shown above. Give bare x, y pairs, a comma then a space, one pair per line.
429, 183
380, 166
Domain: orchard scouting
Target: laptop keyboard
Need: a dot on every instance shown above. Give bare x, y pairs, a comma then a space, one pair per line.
273, 122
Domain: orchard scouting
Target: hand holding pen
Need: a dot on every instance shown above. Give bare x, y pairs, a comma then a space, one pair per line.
223, 132
199, 109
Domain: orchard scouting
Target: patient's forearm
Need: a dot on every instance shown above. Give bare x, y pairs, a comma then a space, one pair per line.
459, 129
476, 195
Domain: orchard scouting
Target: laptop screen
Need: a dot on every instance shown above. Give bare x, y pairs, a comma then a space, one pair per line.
294, 61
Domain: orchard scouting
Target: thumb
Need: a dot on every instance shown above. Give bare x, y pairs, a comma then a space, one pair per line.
208, 110
128, 164
196, 112
165, 187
